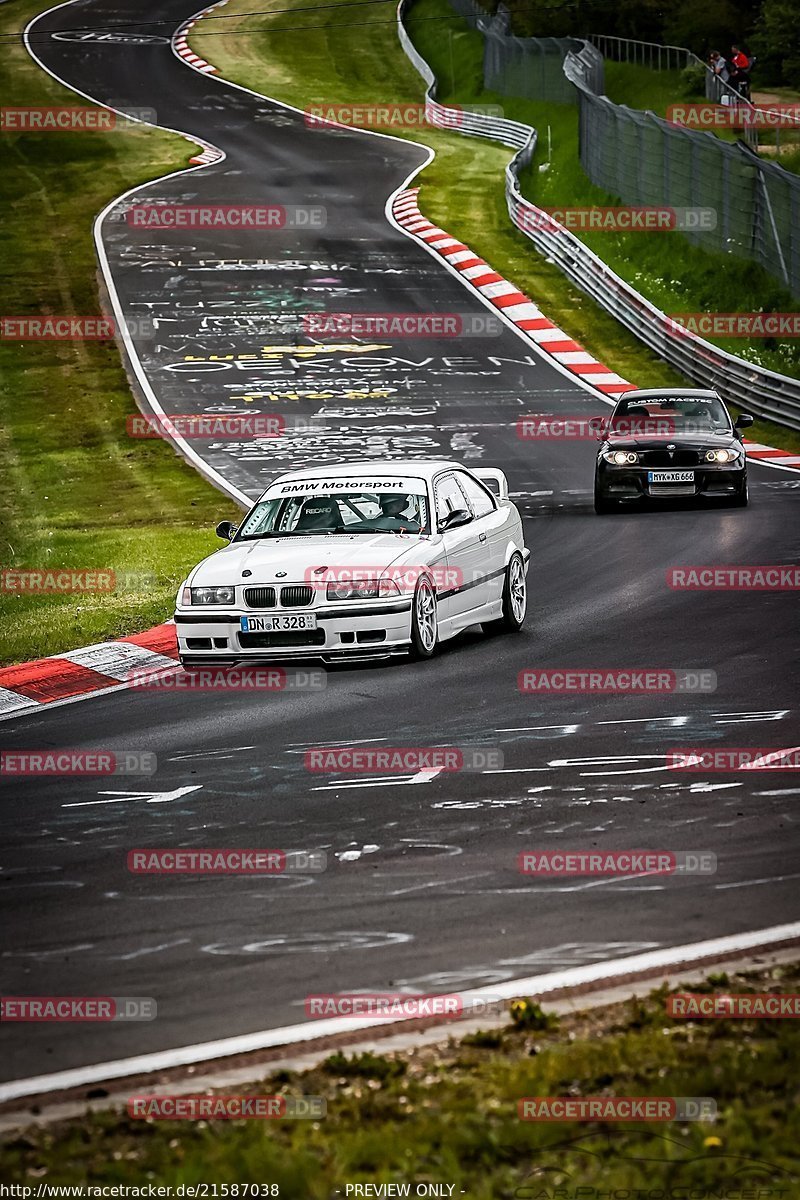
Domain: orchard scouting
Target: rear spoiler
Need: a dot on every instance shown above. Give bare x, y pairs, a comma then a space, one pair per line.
494, 479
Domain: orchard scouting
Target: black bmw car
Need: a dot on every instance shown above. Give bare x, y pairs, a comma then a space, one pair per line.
666, 443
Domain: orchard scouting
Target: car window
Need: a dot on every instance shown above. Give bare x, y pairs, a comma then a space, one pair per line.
480, 500
355, 511
449, 497
670, 414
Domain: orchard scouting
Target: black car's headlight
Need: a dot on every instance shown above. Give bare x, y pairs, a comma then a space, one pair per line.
209, 595
620, 458
362, 589
722, 456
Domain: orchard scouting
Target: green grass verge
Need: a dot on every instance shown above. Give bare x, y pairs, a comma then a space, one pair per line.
448, 1114
641, 87
75, 491
344, 62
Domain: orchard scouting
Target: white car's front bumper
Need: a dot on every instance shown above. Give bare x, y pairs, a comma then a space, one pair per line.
347, 629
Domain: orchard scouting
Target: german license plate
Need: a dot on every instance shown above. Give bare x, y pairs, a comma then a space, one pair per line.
281, 623
670, 476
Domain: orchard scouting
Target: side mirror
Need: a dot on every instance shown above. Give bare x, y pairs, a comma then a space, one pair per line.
598, 426
459, 516
743, 420
226, 529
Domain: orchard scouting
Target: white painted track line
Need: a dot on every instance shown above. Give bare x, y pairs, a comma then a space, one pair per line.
653, 962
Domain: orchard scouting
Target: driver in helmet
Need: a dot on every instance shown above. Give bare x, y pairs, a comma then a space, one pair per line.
393, 511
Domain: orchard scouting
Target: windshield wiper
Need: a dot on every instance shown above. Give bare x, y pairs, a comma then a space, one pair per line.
399, 532
282, 533
350, 529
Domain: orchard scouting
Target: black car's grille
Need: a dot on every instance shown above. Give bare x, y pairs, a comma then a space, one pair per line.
259, 597
678, 458
294, 637
296, 596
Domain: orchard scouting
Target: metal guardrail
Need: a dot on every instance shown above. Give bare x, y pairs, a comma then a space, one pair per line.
462, 120
645, 159
527, 66
643, 54
739, 382
667, 58
657, 57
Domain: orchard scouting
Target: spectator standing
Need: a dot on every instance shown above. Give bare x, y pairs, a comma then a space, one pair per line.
719, 66
740, 72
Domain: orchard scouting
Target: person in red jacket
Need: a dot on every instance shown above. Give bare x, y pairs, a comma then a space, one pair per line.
739, 65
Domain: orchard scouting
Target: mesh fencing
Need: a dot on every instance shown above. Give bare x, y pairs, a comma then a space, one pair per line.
529, 67
644, 159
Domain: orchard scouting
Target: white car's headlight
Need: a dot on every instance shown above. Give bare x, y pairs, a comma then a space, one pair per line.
210, 595
621, 458
721, 456
362, 589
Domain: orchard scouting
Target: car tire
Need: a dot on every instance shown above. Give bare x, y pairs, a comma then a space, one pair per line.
742, 497
515, 599
424, 622
602, 505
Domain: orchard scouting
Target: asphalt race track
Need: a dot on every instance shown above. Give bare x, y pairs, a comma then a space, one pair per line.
422, 891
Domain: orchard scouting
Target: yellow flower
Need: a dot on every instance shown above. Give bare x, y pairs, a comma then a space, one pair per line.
712, 1141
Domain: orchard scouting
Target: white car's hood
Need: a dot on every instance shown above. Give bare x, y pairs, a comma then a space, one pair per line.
292, 559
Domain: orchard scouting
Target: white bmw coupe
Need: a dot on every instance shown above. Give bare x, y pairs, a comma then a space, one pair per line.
364, 560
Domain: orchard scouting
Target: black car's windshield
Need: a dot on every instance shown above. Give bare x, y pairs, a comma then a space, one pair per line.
337, 508
666, 415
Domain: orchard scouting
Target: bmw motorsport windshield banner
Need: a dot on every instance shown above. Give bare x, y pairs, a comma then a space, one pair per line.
346, 483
